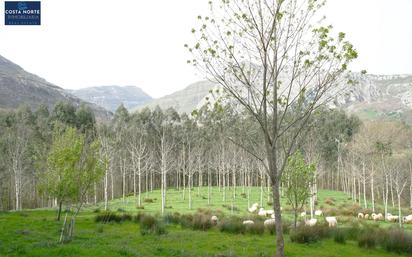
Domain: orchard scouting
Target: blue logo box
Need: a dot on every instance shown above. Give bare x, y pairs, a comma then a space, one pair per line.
22, 13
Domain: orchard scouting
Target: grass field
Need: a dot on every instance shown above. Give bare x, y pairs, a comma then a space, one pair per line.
35, 233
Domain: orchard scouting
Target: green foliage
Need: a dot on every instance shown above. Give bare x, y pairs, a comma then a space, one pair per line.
399, 241
307, 234
298, 176
72, 166
232, 225
151, 225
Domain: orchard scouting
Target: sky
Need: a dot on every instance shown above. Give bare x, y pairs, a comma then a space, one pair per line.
84, 43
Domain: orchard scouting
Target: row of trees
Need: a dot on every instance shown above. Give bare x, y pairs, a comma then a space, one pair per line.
145, 151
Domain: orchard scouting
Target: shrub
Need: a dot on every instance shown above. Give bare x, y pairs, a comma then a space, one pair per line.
140, 207
243, 195
331, 212
232, 225
307, 234
339, 236
399, 241
106, 217
121, 210
269, 203
151, 225
126, 217
255, 229
330, 201
96, 210
201, 222
148, 200
370, 237
169, 207
186, 220
351, 210
174, 218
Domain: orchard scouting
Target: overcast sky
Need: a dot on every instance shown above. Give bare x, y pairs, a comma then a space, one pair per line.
83, 43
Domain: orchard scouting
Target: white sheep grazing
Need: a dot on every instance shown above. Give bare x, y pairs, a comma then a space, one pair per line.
248, 222
269, 222
272, 216
332, 221
262, 212
318, 213
214, 220
269, 212
392, 218
254, 208
407, 219
303, 214
378, 217
360, 215
366, 216
311, 222
373, 216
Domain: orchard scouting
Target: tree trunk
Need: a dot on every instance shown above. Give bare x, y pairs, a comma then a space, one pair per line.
60, 210
278, 218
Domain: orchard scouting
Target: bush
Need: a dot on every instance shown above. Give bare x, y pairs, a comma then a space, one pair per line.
140, 207
307, 234
148, 200
121, 210
201, 222
232, 225
151, 225
370, 237
174, 218
186, 221
243, 195
107, 217
339, 236
96, 210
330, 201
399, 241
255, 229
351, 210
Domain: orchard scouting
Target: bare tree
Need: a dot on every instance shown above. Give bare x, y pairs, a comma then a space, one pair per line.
271, 59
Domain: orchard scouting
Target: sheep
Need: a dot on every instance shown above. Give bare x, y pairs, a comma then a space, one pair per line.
269, 212
332, 221
311, 222
214, 220
377, 217
407, 219
366, 216
392, 218
269, 222
272, 216
360, 215
318, 213
303, 214
248, 222
262, 212
253, 208
373, 216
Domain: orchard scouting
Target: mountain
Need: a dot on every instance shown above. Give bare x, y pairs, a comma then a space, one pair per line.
185, 100
372, 97
18, 87
110, 97
379, 96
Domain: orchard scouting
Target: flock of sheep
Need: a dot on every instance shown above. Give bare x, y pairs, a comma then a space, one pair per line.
380, 217
332, 221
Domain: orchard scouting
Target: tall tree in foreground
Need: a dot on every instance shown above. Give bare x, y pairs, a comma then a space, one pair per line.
274, 59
